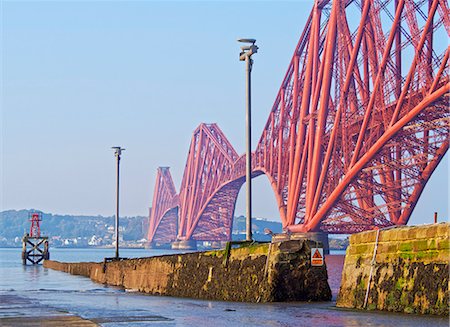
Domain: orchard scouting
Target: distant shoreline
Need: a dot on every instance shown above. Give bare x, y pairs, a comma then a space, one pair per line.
80, 247
110, 248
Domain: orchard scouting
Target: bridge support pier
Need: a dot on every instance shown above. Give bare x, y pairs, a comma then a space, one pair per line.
217, 245
155, 245
313, 236
184, 245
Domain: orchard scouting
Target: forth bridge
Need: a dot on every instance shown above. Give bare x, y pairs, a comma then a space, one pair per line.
358, 126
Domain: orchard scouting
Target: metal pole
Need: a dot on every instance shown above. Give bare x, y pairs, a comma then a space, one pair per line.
117, 206
248, 157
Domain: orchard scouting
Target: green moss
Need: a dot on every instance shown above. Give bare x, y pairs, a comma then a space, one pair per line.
390, 299
420, 245
444, 244
405, 247
216, 253
404, 301
421, 254
408, 310
372, 306
441, 307
427, 254
400, 284
361, 249
432, 244
407, 256
257, 248
362, 284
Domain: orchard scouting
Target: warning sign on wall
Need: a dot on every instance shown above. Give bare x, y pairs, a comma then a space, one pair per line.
316, 256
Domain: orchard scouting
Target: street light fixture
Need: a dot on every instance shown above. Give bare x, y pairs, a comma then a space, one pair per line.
245, 55
117, 152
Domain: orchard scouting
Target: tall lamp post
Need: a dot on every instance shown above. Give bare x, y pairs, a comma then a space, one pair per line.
117, 152
245, 55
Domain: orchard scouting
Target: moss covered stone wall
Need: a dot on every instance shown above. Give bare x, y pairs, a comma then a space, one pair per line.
410, 272
256, 273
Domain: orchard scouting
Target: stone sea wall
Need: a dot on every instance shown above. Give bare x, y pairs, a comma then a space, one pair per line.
256, 273
410, 272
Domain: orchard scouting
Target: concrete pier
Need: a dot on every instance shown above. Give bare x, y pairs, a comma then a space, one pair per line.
22, 311
320, 238
186, 245
155, 245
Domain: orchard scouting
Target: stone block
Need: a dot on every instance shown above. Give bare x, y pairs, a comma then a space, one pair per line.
443, 230
361, 249
384, 257
443, 243
354, 239
425, 231
393, 247
419, 245
387, 247
388, 235
405, 246
432, 244
364, 237
351, 259
411, 233
432, 231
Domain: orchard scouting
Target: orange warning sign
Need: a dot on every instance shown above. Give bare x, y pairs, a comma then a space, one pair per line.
317, 257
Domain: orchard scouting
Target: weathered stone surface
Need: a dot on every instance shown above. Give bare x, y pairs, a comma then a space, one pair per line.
256, 273
410, 273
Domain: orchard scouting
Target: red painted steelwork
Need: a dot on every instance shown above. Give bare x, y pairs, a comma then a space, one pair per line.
163, 223
206, 204
35, 228
358, 126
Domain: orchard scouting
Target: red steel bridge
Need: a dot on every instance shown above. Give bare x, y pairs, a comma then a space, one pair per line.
357, 128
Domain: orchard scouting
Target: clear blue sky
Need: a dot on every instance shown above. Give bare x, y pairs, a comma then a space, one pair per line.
80, 77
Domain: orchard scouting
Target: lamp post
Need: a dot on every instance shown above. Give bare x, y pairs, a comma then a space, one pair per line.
245, 55
117, 152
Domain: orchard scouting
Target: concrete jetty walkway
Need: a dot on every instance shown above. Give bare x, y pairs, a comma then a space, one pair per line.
21, 311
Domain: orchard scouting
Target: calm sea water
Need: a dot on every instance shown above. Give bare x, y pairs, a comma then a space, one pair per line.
115, 307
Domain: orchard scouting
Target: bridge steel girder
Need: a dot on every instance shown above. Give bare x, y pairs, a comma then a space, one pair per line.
358, 126
352, 137
163, 220
210, 164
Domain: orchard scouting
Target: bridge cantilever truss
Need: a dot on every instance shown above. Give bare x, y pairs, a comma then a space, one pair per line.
358, 126
164, 223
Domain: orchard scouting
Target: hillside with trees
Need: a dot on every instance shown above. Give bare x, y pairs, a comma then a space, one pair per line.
84, 231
